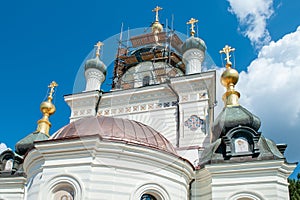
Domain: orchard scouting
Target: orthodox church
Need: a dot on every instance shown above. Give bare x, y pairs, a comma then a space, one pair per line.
153, 136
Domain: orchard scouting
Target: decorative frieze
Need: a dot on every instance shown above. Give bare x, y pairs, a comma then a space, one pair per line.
136, 97
83, 112
82, 104
194, 97
136, 108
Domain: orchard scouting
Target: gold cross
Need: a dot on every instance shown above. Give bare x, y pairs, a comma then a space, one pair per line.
156, 9
192, 22
52, 85
98, 47
226, 50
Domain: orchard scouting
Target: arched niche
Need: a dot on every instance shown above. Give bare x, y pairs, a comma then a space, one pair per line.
151, 189
246, 196
64, 187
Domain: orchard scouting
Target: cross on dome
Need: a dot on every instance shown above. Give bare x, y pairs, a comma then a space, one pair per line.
156, 9
52, 85
98, 48
226, 50
192, 22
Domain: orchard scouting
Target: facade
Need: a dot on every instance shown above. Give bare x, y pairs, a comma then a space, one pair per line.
152, 136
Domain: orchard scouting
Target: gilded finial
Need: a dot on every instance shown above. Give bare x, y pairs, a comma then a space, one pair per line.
156, 26
229, 79
98, 48
47, 108
192, 22
226, 50
52, 85
156, 9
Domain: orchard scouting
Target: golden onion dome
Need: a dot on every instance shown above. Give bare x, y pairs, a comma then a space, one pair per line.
157, 27
229, 77
47, 107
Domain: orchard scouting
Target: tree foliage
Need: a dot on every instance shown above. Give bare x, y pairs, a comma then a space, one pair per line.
294, 188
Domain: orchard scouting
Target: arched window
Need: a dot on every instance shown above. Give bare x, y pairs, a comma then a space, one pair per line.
246, 196
150, 191
146, 80
148, 197
64, 188
64, 192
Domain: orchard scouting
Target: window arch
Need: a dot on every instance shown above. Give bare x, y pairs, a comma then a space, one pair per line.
63, 192
150, 191
246, 196
64, 188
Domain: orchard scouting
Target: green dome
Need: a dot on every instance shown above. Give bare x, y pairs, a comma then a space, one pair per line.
95, 63
27, 143
214, 153
193, 43
232, 117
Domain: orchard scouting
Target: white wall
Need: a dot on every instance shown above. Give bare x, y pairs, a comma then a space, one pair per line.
12, 188
255, 180
107, 170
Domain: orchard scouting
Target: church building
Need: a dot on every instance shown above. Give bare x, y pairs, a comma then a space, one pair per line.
153, 136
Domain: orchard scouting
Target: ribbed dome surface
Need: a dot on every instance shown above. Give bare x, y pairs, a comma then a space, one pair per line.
115, 129
232, 117
95, 63
193, 43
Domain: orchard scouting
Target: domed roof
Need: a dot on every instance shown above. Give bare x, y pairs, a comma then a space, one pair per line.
27, 143
193, 43
156, 26
234, 116
95, 63
116, 129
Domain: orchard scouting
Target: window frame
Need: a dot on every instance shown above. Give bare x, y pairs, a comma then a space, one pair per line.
64, 181
153, 189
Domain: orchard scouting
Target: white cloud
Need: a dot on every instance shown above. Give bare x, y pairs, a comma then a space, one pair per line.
252, 16
3, 147
271, 90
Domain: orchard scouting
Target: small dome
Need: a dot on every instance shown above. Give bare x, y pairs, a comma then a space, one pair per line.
116, 129
27, 143
229, 76
193, 43
156, 26
95, 63
47, 107
232, 117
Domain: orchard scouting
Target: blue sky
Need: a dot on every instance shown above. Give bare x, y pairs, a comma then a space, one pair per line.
43, 41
